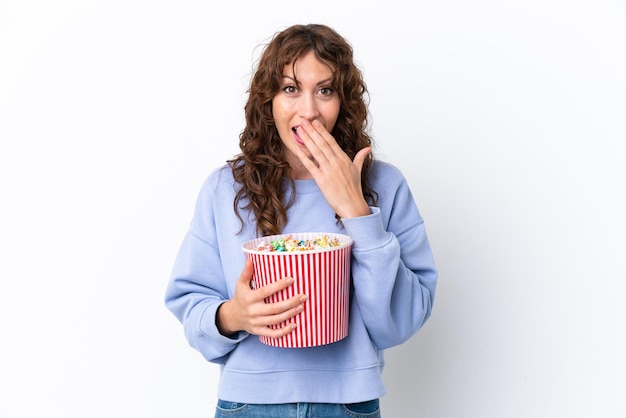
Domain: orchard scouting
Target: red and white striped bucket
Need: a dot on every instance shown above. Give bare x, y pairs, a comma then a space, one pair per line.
321, 274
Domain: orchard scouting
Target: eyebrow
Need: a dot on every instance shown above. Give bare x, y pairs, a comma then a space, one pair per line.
319, 83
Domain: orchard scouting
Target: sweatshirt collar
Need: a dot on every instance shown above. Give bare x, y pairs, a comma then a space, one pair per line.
305, 186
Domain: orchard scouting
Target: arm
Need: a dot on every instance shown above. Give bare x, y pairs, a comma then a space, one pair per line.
393, 268
218, 312
195, 292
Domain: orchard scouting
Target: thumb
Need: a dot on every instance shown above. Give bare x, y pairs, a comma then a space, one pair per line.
359, 158
245, 278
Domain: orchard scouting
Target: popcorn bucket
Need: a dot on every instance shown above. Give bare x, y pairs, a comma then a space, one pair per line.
323, 274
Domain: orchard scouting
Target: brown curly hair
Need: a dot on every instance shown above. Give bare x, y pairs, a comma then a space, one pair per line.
260, 169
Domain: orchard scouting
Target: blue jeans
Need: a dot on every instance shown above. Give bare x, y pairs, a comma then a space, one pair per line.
369, 409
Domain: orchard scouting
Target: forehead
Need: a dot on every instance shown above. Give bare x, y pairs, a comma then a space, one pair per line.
308, 65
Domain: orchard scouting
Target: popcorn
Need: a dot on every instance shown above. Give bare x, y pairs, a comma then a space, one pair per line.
289, 244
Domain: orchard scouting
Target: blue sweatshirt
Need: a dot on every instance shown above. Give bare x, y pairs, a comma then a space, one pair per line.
393, 276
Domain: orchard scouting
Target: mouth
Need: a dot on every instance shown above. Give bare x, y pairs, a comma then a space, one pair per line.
296, 136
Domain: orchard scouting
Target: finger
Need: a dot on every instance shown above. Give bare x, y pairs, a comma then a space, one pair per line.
319, 142
285, 315
246, 274
308, 162
326, 142
280, 307
310, 137
262, 322
360, 157
318, 146
267, 326
275, 287
278, 332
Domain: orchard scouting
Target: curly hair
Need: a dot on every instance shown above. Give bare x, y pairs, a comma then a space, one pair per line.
260, 170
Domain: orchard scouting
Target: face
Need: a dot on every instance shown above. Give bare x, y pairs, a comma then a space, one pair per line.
305, 95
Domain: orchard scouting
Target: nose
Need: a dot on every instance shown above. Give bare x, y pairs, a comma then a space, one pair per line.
309, 107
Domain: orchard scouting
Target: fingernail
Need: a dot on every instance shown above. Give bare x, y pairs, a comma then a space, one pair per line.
303, 298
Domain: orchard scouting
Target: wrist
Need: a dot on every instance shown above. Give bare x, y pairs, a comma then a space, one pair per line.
222, 322
355, 212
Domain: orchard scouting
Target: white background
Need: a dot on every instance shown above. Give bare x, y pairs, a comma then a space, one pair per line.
508, 118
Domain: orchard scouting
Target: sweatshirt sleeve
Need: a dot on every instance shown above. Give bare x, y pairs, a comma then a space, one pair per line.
197, 286
393, 269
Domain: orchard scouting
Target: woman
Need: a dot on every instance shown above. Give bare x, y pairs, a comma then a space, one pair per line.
306, 164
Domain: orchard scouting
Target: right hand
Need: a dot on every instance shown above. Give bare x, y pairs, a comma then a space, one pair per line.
247, 310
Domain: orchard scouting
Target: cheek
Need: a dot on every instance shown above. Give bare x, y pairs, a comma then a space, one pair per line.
281, 123
331, 117
332, 109
278, 113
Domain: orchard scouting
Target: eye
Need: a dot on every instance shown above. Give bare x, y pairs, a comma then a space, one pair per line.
326, 91
290, 89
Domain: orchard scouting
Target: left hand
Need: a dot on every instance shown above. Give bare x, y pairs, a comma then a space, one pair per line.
338, 177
